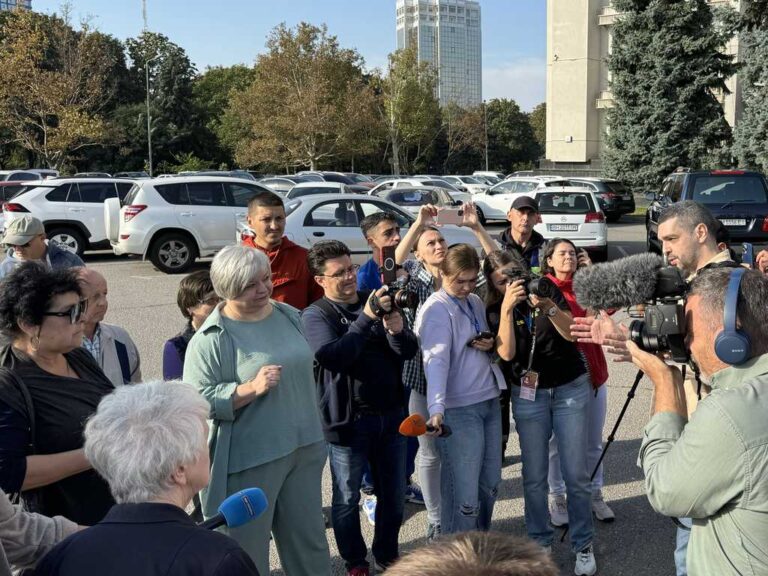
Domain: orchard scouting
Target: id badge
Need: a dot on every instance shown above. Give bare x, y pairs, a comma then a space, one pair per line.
528, 384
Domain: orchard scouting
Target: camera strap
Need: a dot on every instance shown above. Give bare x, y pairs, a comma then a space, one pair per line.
470, 314
531, 323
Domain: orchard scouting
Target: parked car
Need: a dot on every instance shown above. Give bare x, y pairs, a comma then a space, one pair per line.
488, 180
738, 198
92, 175
499, 175
72, 209
18, 176
494, 203
573, 213
416, 181
615, 199
283, 184
435, 179
243, 174
173, 221
44, 173
360, 179
132, 175
7, 191
472, 185
311, 219
310, 188
412, 199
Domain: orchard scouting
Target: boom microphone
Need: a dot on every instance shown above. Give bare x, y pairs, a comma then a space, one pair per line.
415, 425
238, 509
618, 284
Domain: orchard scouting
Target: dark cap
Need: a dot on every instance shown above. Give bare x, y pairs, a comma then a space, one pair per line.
522, 202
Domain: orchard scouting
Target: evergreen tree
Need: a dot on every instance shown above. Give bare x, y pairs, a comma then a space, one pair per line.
751, 134
668, 68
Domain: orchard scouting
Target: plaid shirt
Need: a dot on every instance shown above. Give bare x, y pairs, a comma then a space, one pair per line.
423, 283
94, 346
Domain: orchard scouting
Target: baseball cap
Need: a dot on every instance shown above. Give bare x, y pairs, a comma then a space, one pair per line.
22, 230
522, 202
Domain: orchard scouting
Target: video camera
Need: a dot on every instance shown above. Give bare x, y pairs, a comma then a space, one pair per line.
397, 289
540, 286
663, 326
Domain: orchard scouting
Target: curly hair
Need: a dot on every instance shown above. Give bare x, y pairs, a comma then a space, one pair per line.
26, 293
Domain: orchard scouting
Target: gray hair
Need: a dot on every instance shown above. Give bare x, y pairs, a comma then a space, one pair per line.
751, 311
690, 214
141, 434
234, 267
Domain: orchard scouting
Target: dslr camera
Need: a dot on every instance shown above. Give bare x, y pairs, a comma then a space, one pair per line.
537, 285
663, 326
397, 289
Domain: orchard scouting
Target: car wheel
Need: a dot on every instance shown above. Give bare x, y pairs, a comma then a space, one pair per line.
68, 239
480, 215
173, 253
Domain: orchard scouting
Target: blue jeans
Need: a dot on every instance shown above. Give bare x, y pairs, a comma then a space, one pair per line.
563, 410
681, 547
375, 440
471, 466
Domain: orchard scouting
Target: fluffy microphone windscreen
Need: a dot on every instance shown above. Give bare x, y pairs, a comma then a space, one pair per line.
243, 506
414, 425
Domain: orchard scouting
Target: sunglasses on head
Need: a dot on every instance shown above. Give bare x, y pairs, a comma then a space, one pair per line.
74, 312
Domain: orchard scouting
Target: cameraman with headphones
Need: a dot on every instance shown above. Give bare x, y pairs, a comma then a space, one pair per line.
713, 468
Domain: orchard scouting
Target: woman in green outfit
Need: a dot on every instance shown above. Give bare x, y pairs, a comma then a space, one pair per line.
251, 362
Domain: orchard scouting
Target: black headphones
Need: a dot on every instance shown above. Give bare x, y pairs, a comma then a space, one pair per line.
732, 346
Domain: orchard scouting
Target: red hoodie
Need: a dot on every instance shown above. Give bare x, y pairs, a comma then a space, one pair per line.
292, 283
598, 367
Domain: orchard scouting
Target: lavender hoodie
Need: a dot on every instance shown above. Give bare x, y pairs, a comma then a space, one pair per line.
457, 375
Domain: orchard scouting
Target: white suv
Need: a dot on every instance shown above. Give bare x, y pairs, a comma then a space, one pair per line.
72, 209
173, 221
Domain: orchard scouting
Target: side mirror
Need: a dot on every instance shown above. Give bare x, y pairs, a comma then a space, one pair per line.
457, 203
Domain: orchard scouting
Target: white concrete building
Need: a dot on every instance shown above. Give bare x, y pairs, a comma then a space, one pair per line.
11, 4
446, 33
578, 82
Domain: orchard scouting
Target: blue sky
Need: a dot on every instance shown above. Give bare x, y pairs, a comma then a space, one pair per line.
225, 32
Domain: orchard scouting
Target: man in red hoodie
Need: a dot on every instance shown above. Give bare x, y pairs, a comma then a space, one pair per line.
293, 284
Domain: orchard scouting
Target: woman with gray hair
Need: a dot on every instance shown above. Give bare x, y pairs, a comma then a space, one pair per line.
149, 442
251, 362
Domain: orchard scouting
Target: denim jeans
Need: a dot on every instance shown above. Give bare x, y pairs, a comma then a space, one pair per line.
681, 547
470, 466
376, 440
564, 411
427, 462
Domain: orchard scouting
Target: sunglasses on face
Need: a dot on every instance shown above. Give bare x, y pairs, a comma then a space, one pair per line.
74, 312
20, 246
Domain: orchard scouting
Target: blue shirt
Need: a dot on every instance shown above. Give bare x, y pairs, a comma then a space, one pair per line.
369, 277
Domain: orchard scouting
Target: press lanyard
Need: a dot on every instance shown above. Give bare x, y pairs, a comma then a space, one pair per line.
530, 322
470, 314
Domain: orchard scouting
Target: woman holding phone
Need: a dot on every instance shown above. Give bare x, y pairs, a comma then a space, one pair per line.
463, 386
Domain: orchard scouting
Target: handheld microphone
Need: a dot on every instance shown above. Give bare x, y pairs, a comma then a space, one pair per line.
618, 284
415, 425
238, 509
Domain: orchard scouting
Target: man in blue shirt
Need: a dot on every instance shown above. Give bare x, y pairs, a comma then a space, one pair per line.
381, 230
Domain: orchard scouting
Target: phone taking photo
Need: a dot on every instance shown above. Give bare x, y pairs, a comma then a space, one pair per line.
482, 336
450, 216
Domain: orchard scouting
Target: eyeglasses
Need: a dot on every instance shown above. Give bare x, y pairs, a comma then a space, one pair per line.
74, 312
346, 273
20, 245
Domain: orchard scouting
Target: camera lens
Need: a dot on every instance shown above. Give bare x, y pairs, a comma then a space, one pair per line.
638, 334
541, 287
406, 299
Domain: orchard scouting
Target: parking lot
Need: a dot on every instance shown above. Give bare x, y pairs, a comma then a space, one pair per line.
639, 542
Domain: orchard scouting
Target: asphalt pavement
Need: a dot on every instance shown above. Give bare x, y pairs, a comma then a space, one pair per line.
639, 542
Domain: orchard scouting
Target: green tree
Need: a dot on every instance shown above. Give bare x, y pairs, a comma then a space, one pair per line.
511, 140
538, 120
464, 131
409, 108
751, 134
668, 68
755, 14
55, 86
303, 106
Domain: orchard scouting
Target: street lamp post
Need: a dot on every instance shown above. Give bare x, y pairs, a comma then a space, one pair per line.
149, 115
485, 122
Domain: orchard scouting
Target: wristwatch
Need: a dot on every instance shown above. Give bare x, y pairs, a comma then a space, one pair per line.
552, 311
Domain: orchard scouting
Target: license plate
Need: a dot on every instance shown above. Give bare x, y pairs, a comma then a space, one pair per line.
564, 227
627, 197
734, 221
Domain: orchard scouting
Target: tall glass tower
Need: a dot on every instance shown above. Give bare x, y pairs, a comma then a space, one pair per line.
11, 4
446, 33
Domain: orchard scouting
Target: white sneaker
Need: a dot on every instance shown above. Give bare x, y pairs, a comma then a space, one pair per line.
558, 510
585, 562
602, 511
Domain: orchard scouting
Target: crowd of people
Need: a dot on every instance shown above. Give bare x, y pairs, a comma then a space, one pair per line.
291, 357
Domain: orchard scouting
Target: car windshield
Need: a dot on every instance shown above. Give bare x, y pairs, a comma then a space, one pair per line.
554, 183
564, 203
469, 180
413, 197
298, 192
503, 187
726, 188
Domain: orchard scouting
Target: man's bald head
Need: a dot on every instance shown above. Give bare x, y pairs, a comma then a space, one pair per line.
94, 288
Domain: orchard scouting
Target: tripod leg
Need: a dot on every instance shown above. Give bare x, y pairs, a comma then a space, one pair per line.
612, 435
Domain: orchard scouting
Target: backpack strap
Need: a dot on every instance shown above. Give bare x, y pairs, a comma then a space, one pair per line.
122, 358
